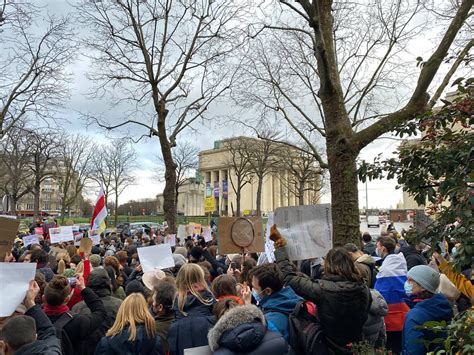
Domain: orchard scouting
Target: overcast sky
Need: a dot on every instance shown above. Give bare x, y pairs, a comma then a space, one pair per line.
381, 194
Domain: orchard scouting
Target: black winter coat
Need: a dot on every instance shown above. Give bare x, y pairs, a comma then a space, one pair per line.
81, 326
120, 345
342, 306
46, 342
412, 256
190, 330
243, 330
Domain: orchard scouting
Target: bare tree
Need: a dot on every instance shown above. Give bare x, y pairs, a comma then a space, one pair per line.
305, 177
45, 146
32, 64
16, 179
262, 157
331, 70
123, 159
102, 170
185, 155
240, 170
74, 169
166, 53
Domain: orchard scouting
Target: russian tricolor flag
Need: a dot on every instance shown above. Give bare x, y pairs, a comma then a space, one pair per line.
390, 283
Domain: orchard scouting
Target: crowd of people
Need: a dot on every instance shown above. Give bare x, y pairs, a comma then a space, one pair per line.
380, 292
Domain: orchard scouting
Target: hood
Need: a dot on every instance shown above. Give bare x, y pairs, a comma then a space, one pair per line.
409, 250
240, 329
193, 306
284, 301
366, 259
393, 265
39, 347
379, 306
142, 344
99, 282
435, 308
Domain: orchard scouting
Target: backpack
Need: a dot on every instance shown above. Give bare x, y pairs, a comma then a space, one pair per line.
61, 333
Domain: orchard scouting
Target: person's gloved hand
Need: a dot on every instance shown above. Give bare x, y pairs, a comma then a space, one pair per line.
277, 238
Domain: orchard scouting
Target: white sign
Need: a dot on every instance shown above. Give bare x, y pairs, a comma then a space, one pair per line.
308, 230
94, 235
207, 234
61, 234
170, 239
181, 232
200, 350
269, 247
156, 257
15, 279
30, 239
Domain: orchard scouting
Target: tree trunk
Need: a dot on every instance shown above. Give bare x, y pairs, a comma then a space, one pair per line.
344, 197
37, 192
63, 213
237, 196
13, 206
301, 193
116, 210
259, 196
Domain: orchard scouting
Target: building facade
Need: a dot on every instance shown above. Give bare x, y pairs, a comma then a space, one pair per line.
219, 178
190, 197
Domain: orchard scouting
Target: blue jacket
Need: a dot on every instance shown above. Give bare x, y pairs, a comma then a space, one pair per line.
190, 330
277, 307
436, 308
119, 344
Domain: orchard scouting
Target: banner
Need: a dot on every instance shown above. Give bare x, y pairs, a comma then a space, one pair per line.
225, 189
94, 235
30, 239
308, 230
156, 257
207, 234
61, 234
208, 189
216, 189
209, 205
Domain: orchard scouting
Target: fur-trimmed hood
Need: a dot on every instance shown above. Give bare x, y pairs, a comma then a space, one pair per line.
241, 315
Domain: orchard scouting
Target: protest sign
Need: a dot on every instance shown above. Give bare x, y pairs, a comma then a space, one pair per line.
181, 232
61, 234
14, 278
207, 234
189, 229
422, 221
170, 239
155, 257
269, 247
8, 232
55, 251
39, 231
308, 230
30, 239
209, 205
94, 235
197, 228
237, 234
200, 350
77, 238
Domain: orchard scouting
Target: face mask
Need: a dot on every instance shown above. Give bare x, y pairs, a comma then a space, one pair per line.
256, 295
408, 288
377, 252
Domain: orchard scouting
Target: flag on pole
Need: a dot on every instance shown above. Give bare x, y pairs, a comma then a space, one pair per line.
100, 212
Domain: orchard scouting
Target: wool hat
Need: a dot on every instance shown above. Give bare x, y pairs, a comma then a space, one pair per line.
95, 260
151, 278
182, 251
135, 286
179, 260
425, 276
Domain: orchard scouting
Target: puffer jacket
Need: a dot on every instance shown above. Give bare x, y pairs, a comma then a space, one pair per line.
243, 330
374, 328
120, 345
366, 264
412, 256
190, 330
342, 305
277, 307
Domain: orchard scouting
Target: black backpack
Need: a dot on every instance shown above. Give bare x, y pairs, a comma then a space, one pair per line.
61, 333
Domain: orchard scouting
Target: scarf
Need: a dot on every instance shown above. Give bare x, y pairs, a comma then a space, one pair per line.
55, 310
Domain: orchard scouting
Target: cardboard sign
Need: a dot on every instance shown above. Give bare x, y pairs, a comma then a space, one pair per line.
155, 257
269, 247
30, 239
237, 234
15, 279
422, 221
61, 234
182, 232
207, 234
8, 232
170, 239
94, 235
307, 229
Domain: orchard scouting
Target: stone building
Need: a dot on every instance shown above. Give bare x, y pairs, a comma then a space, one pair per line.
190, 198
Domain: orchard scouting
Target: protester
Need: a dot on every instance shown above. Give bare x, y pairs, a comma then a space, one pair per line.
341, 297
276, 302
40, 257
193, 310
390, 282
225, 287
32, 333
426, 306
72, 329
413, 254
369, 246
133, 331
365, 263
243, 330
375, 332
162, 309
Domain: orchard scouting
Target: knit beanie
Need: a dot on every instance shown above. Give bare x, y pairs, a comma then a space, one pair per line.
135, 286
95, 260
69, 272
425, 276
182, 251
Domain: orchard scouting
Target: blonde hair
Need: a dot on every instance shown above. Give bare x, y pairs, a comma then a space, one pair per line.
132, 312
62, 260
80, 268
190, 279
